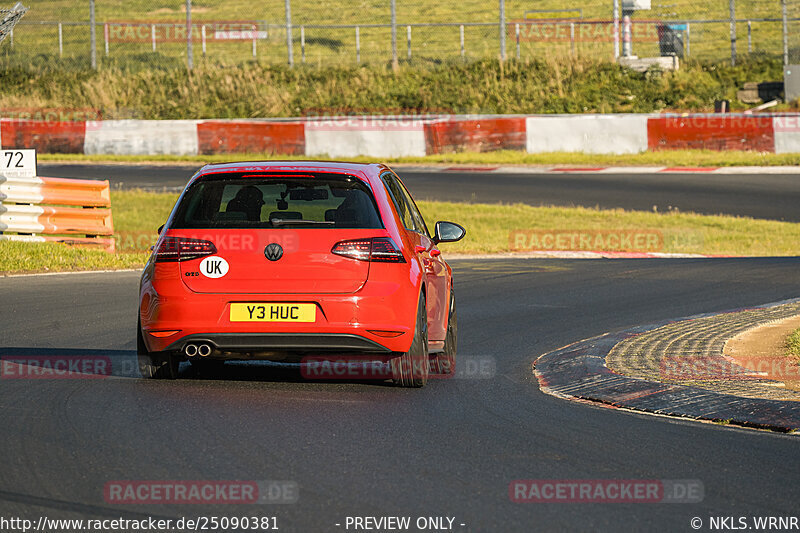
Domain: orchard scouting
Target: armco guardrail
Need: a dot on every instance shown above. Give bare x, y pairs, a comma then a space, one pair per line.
71, 211
414, 135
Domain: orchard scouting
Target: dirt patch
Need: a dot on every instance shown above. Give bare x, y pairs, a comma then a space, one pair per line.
763, 351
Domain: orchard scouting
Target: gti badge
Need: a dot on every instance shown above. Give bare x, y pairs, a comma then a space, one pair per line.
273, 251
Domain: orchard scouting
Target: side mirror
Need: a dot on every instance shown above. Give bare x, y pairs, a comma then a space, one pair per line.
448, 232
161, 227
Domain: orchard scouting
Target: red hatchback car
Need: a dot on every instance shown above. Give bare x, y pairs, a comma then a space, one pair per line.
285, 260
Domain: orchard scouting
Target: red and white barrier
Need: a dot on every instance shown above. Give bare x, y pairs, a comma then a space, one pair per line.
141, 137
711, 132
475, 134
367, 135
590, 134
411, 136
786, 130
251, 137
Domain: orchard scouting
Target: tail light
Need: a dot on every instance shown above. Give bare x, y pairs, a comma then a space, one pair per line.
376, 250
182, 249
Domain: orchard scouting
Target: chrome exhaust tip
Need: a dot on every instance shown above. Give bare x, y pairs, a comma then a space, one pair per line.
204, 350
190, 350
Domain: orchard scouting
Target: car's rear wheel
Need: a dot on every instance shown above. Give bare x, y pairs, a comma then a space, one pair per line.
410, 369
444, 362
155, 365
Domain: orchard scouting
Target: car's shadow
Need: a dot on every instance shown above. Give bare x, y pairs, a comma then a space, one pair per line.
77, 363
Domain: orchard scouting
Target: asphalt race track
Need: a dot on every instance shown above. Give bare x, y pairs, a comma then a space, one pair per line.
771, 196
368, 449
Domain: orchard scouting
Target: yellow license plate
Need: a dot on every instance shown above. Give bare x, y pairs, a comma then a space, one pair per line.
268, 312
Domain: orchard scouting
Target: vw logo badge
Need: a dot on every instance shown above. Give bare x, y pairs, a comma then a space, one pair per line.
273, 251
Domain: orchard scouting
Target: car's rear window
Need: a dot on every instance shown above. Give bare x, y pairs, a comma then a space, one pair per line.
276, 201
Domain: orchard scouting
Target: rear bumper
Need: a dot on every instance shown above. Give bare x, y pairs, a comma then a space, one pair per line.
355, 322
288, 342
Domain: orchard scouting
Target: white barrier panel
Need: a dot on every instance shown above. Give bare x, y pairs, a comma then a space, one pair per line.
374, 137
21, 218
23, 238
141, 137
787, 134
21, 190
592, 134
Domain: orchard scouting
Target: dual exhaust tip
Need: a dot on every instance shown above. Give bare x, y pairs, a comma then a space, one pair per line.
203, 350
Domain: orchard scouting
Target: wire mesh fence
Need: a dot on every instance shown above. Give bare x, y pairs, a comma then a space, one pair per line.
162, 34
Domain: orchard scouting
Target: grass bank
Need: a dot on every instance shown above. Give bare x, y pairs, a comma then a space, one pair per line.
535, 85
137, 214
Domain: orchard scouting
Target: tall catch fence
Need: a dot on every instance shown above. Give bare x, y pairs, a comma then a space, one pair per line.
176, 33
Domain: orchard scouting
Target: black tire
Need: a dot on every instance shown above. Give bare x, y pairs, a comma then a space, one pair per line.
410, 369
154, 365
445, 361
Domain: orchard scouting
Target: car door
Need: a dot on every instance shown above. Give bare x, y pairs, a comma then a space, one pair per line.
435, 268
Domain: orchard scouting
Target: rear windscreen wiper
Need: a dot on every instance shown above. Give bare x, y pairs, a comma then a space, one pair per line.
291, 221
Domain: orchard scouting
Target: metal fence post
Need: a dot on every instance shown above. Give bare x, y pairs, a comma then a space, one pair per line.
289, 32
616, 29
60, 41
302, 44
255, 37
105, 37
749, 38
516, 32
785, 34
688, 39
627, 37
203, 39
92, 36
572, 39
189, 51
153, 36
461, 36
358, 45
502, 30
732, 8
408, 39
394, 34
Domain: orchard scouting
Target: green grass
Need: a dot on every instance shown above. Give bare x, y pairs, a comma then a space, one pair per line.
346, 11
20, 257
671, 158
137, 215
793, 345
255, 90
489, 227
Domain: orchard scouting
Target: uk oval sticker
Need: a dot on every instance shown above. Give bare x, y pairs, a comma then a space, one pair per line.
213, 267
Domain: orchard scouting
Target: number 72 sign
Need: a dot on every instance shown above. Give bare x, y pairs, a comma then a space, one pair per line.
18, 163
